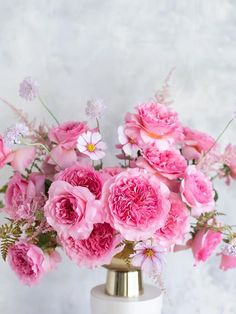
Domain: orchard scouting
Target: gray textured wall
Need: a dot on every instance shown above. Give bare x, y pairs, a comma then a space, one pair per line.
121, 51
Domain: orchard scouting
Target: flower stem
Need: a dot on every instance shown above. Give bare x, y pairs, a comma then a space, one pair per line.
48, 110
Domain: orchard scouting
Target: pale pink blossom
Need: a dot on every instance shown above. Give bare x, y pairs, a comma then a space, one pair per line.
67, 133
148, 256
26, 260
71, 210
196, 143
168, 163
29, 88
176, 225
137, 203
128, 145
204, 244
62, 157
229, 160
51, 261
95, 108
22, 157
23, 197
197, 191
97, 249
90, 144
13, 135
83, 176
5, 154
228, 256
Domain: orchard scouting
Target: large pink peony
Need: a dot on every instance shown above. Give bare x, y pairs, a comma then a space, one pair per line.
27, 261
23, 197
197, 191
137, 203
176, 225
66, 134
204, 243
83, 176
98, 249
168, 163
152, 122
71, 210
196, 143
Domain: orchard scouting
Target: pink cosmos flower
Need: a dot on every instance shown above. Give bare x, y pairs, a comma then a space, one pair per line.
196, 143
51, 260
90, 144
128, 145
197, 191
148, 256
153, 122
83, 176
176, 225
29, 88
228, 256
98, 249
66, 134
136, 203
27, 262
168, 163
71, 210
204, 243
23, 197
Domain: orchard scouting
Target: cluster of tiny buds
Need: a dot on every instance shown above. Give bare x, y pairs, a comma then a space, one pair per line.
13, 135
229, 249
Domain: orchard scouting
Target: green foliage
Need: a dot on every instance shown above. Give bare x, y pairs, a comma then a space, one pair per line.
3, 189
47, 241
9, 234
1, 204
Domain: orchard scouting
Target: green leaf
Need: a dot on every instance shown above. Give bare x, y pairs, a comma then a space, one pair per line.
216, 197
3, 188
9, 234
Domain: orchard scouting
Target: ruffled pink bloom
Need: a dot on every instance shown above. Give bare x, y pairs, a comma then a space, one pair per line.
128, 145
71, 210
149, 257
168, 163
204, 244
153, 122
83, 176
90, 144
5, 154
98, 249
23, 197
66, 134
176, 225
51, 261
196, 143
27, 262
197, 191
137, 203
29, 88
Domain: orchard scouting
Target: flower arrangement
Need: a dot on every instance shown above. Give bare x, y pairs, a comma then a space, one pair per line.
159, 198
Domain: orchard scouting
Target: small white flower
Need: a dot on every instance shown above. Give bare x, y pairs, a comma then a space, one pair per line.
13, 135
90, 144
95, 108
29, 88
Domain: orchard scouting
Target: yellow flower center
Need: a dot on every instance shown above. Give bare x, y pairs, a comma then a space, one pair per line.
91, 148
149, 253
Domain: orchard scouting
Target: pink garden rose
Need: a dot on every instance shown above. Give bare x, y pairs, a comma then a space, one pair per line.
5, 154
168, 163
83, 176
98, 249
27, 262
197, 191
204, 243
196, 143
66, 134
176, 225
71, 210
137, 203
23, 197
153, 122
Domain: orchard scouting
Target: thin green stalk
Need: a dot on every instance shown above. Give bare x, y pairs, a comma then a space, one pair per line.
48, 110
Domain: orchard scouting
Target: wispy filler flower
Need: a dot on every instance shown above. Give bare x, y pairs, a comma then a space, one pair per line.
95, 108
13, 135
29, 88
